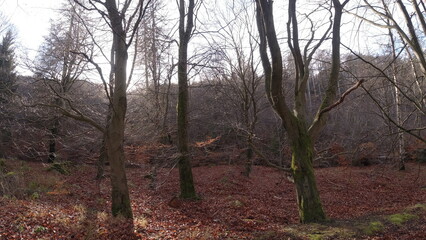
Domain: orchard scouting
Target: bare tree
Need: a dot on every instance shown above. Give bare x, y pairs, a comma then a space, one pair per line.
186, 24
236, 45
405, 24
123, 19
59, 68
158, 65
301, 133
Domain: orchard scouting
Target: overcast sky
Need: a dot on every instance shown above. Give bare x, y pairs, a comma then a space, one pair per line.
31, 20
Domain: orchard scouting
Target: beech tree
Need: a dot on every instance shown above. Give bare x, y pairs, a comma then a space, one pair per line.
238, 71
60, 69
157, 61
300, 131
123, 19
186, 24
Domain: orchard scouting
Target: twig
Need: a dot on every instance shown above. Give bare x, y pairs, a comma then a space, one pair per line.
255, 150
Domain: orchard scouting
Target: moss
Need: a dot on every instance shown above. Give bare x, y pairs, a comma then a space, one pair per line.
61, 167
373, 227
248, 220
10, 174
38, 229
320, 231
417, 207
401, 218
315, 236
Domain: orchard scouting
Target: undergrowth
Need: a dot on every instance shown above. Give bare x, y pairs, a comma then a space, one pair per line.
19, 180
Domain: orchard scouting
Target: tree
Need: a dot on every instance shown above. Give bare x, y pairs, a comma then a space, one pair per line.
405, 24
123, 26
157, 62
7, 87
187, 188
300, 134
239, 71
59, 68
7, 66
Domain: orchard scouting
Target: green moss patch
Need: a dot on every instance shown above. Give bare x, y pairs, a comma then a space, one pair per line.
61, 167
401, 218
417, 207
319, 232
373, 228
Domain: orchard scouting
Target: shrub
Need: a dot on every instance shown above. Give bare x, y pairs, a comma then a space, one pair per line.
61, 167
421, 155
11, 184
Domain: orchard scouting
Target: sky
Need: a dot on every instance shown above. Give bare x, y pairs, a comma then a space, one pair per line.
31, 20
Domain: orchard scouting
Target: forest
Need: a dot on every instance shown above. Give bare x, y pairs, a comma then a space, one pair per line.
196, 119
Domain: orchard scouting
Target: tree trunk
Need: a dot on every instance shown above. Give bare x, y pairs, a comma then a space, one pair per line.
397, 104
103, 158
308, 200
52, 140
103, 154
115, 137
54, 132
249, 156
115, 131
187, 189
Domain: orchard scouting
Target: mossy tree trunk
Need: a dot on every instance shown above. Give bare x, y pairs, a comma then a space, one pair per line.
308, 197
295, 121
187, 188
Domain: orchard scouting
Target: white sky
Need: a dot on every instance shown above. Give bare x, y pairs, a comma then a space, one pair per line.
31, 19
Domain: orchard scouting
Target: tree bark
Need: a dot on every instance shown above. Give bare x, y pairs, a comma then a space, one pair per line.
54, 131
308, 197
115, 131
187, 188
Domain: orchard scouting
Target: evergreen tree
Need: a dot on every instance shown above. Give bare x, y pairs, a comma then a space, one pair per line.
7, 67
7, 87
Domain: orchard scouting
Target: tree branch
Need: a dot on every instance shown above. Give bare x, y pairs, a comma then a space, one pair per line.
342, 98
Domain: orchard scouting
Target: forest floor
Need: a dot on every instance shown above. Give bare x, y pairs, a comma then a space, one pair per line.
375, 202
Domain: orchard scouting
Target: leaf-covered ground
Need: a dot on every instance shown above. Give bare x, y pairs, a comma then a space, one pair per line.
361, 203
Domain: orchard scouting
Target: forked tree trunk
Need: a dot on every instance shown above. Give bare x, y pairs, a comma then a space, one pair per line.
295, 122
